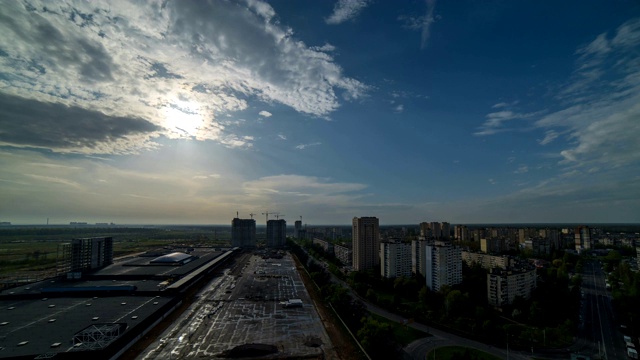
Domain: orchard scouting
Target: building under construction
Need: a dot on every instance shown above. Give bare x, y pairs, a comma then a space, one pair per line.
84, 254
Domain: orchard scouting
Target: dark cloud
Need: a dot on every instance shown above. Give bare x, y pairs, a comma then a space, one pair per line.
60, 50
26, 122
161, 71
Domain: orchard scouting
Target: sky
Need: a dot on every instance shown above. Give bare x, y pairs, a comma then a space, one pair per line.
188, 112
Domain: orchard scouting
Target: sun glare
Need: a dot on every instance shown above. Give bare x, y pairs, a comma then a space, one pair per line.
183, 118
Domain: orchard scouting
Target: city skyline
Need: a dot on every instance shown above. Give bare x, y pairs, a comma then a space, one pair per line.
188, 112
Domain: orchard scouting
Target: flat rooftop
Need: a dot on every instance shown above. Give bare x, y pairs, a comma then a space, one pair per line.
46, 321
141, 265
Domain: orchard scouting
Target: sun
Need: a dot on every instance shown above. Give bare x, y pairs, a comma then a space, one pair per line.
183, 118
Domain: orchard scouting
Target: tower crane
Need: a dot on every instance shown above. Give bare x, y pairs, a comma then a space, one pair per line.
278, 216
252, 215
266, 213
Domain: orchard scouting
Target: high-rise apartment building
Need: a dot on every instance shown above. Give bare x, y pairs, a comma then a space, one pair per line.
276, 233
85, 254
582, 238
243, 232
418, 253
366, 243
436, 230
445, 231
296, 229
461, 233
444, 265
395, 259
425, 230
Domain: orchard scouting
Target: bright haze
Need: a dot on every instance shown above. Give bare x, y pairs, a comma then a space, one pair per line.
185, 112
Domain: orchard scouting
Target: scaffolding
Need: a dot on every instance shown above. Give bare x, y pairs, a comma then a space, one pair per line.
97, 336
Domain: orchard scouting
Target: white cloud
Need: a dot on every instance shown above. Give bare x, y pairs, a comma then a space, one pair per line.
492, 181
496, 120
282, 137
264, 114
549, 136
521, 170
602, 117
399, 108
203, 177
421, 23
324, 48
304, 146
346, 10
180, 66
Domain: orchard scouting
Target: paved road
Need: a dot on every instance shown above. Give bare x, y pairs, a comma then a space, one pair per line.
421, 347
599, 334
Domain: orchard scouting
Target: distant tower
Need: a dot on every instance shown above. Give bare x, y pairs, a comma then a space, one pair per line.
366, 243
243, 232
583, 238
297, 228
276, 233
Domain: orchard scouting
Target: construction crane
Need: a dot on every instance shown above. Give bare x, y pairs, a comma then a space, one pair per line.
252, 215
300, 219
266, 213
278, 216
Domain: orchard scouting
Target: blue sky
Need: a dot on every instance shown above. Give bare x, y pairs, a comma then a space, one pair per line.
186, 112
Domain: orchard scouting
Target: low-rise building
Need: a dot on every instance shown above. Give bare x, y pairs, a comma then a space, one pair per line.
504, 285
325, 245
487, 261
343, 253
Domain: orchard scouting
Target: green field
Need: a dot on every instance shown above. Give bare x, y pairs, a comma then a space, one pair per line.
24, 249
459, 353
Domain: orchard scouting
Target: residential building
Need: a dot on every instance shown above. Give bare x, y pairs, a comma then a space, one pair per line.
344, 254
461, 233
444, 265
366, 243
243, 232
539, 246
325, 245
485, 260
296, 229
436, 230
276, 233
425, 230
582, 236
418, 260
395, 259
445, 231
504, 285
493, 245
85, 254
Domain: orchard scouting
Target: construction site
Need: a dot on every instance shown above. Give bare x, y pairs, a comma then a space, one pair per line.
260, 308
98, 307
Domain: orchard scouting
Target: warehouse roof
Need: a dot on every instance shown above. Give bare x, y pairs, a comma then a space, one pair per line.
173, 258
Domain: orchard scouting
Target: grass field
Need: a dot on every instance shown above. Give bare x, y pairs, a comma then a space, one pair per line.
25, 250
403, 334
459, 353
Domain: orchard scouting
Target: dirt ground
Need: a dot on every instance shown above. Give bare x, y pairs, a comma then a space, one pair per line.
344, 345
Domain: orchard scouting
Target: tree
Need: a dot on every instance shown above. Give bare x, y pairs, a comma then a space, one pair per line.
377, 338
